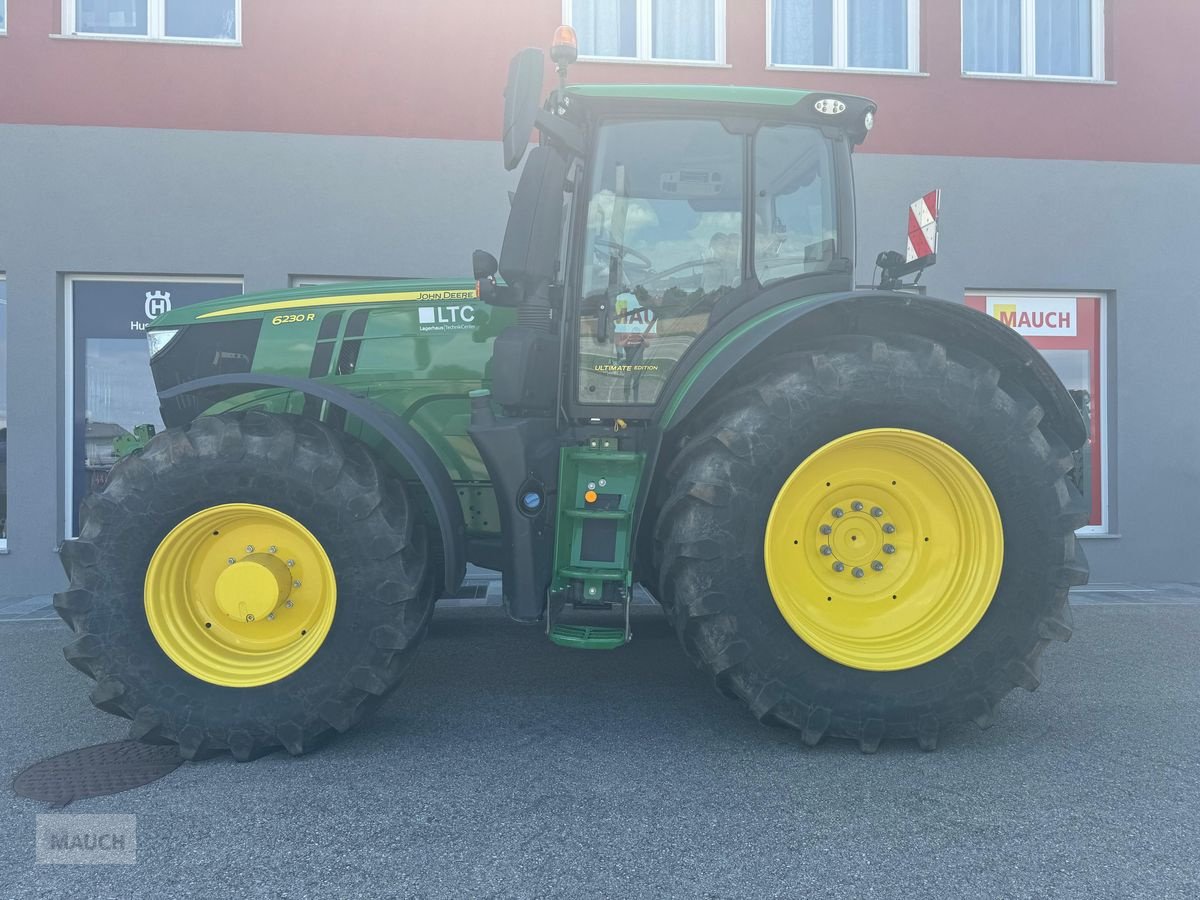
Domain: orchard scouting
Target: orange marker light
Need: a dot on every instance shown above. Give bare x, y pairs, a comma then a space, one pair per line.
590, 496
564, 49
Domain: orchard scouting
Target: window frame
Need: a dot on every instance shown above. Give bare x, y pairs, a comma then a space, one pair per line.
644, 38
156, 22
1028, 48
4, 485
67, 459
3, 32
841, 44
1102, 406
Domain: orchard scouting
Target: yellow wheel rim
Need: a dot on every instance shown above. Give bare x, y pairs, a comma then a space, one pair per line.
883, 549
240, 595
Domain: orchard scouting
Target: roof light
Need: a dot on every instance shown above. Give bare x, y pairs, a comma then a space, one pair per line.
830, 106
869, 120
564, 49
158, 340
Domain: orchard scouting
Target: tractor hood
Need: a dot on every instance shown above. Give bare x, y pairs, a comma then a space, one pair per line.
315, 298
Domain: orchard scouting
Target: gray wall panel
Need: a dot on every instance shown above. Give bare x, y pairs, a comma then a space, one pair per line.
265, 206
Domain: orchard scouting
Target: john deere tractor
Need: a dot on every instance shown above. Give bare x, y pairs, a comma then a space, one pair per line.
857, 507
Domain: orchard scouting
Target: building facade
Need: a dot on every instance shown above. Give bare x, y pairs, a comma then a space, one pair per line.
159, 152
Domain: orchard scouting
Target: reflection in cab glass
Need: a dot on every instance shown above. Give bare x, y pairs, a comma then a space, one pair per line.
664, 243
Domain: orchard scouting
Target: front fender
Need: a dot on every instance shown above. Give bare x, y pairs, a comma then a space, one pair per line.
402, 436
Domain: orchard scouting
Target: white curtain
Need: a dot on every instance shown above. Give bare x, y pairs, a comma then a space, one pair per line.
683, 29
802, 32
992, 36
877, 34
1064, 37
605, 27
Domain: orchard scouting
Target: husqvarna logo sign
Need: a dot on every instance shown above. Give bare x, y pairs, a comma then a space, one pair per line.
157, 303
446, 318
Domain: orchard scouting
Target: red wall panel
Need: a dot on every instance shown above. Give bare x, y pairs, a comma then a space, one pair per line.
427, 69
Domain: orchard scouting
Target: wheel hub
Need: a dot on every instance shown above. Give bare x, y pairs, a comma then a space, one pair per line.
234, 615
251, 589
883, 549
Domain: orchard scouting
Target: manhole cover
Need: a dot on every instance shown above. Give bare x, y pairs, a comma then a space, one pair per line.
96, 771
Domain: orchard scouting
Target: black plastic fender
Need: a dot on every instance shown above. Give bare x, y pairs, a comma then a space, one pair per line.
403, 437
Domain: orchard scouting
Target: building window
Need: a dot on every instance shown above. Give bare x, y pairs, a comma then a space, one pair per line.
3, 414
879, 35
218, 21
3, 16
1071, 333
109, 388
1033, 38
691, 31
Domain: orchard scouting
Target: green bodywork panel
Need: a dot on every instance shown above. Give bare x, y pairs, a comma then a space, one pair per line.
591, 544
424, 345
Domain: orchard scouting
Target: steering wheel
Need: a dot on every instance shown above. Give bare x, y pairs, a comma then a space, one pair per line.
622, 251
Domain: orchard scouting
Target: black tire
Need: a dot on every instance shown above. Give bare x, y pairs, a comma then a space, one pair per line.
709, 536
324, 479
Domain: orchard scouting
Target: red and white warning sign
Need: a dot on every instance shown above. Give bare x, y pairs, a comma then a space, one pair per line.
1037, 316
923, 226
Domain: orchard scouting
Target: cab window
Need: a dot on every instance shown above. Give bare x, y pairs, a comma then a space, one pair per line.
663, 245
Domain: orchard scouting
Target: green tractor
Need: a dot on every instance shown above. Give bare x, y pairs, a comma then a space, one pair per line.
856, 507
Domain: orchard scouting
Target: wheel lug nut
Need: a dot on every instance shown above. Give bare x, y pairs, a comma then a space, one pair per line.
295, 584
888, 548
231, 560
271, 616
272, 549
249, 548
876, 511
250, 618
856, 506
290, 563
839, 566
288, 604
856, 572
889, 528
826, 550
838, 512
825, 529
877, 566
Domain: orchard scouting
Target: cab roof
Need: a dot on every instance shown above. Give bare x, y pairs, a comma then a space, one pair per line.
844, 111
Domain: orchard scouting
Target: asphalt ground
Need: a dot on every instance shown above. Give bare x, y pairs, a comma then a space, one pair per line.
508, 767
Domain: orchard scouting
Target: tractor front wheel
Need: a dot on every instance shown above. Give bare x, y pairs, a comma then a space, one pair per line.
250, 581
872, 539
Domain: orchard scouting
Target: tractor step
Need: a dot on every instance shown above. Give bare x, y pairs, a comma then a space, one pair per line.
587, 637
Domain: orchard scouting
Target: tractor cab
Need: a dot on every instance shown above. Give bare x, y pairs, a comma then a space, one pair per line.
648, 224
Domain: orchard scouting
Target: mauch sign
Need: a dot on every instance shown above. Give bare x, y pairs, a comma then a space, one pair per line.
1036, 316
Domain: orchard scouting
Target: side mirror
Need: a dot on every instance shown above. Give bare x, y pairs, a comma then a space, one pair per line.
522, 95
484, 265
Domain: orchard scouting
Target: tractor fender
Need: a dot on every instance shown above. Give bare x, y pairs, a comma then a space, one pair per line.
403, 437
789, 325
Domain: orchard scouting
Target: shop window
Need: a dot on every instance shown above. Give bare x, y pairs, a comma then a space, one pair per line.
1033, 38
877, 35
3, 414
660, 30
110, 390
1070, 331
185, 20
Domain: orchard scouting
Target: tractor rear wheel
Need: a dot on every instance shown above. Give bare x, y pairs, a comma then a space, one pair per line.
872, 539
250, 581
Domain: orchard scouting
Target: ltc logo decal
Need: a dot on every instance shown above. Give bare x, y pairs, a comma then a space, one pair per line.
157, 303
446, 318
